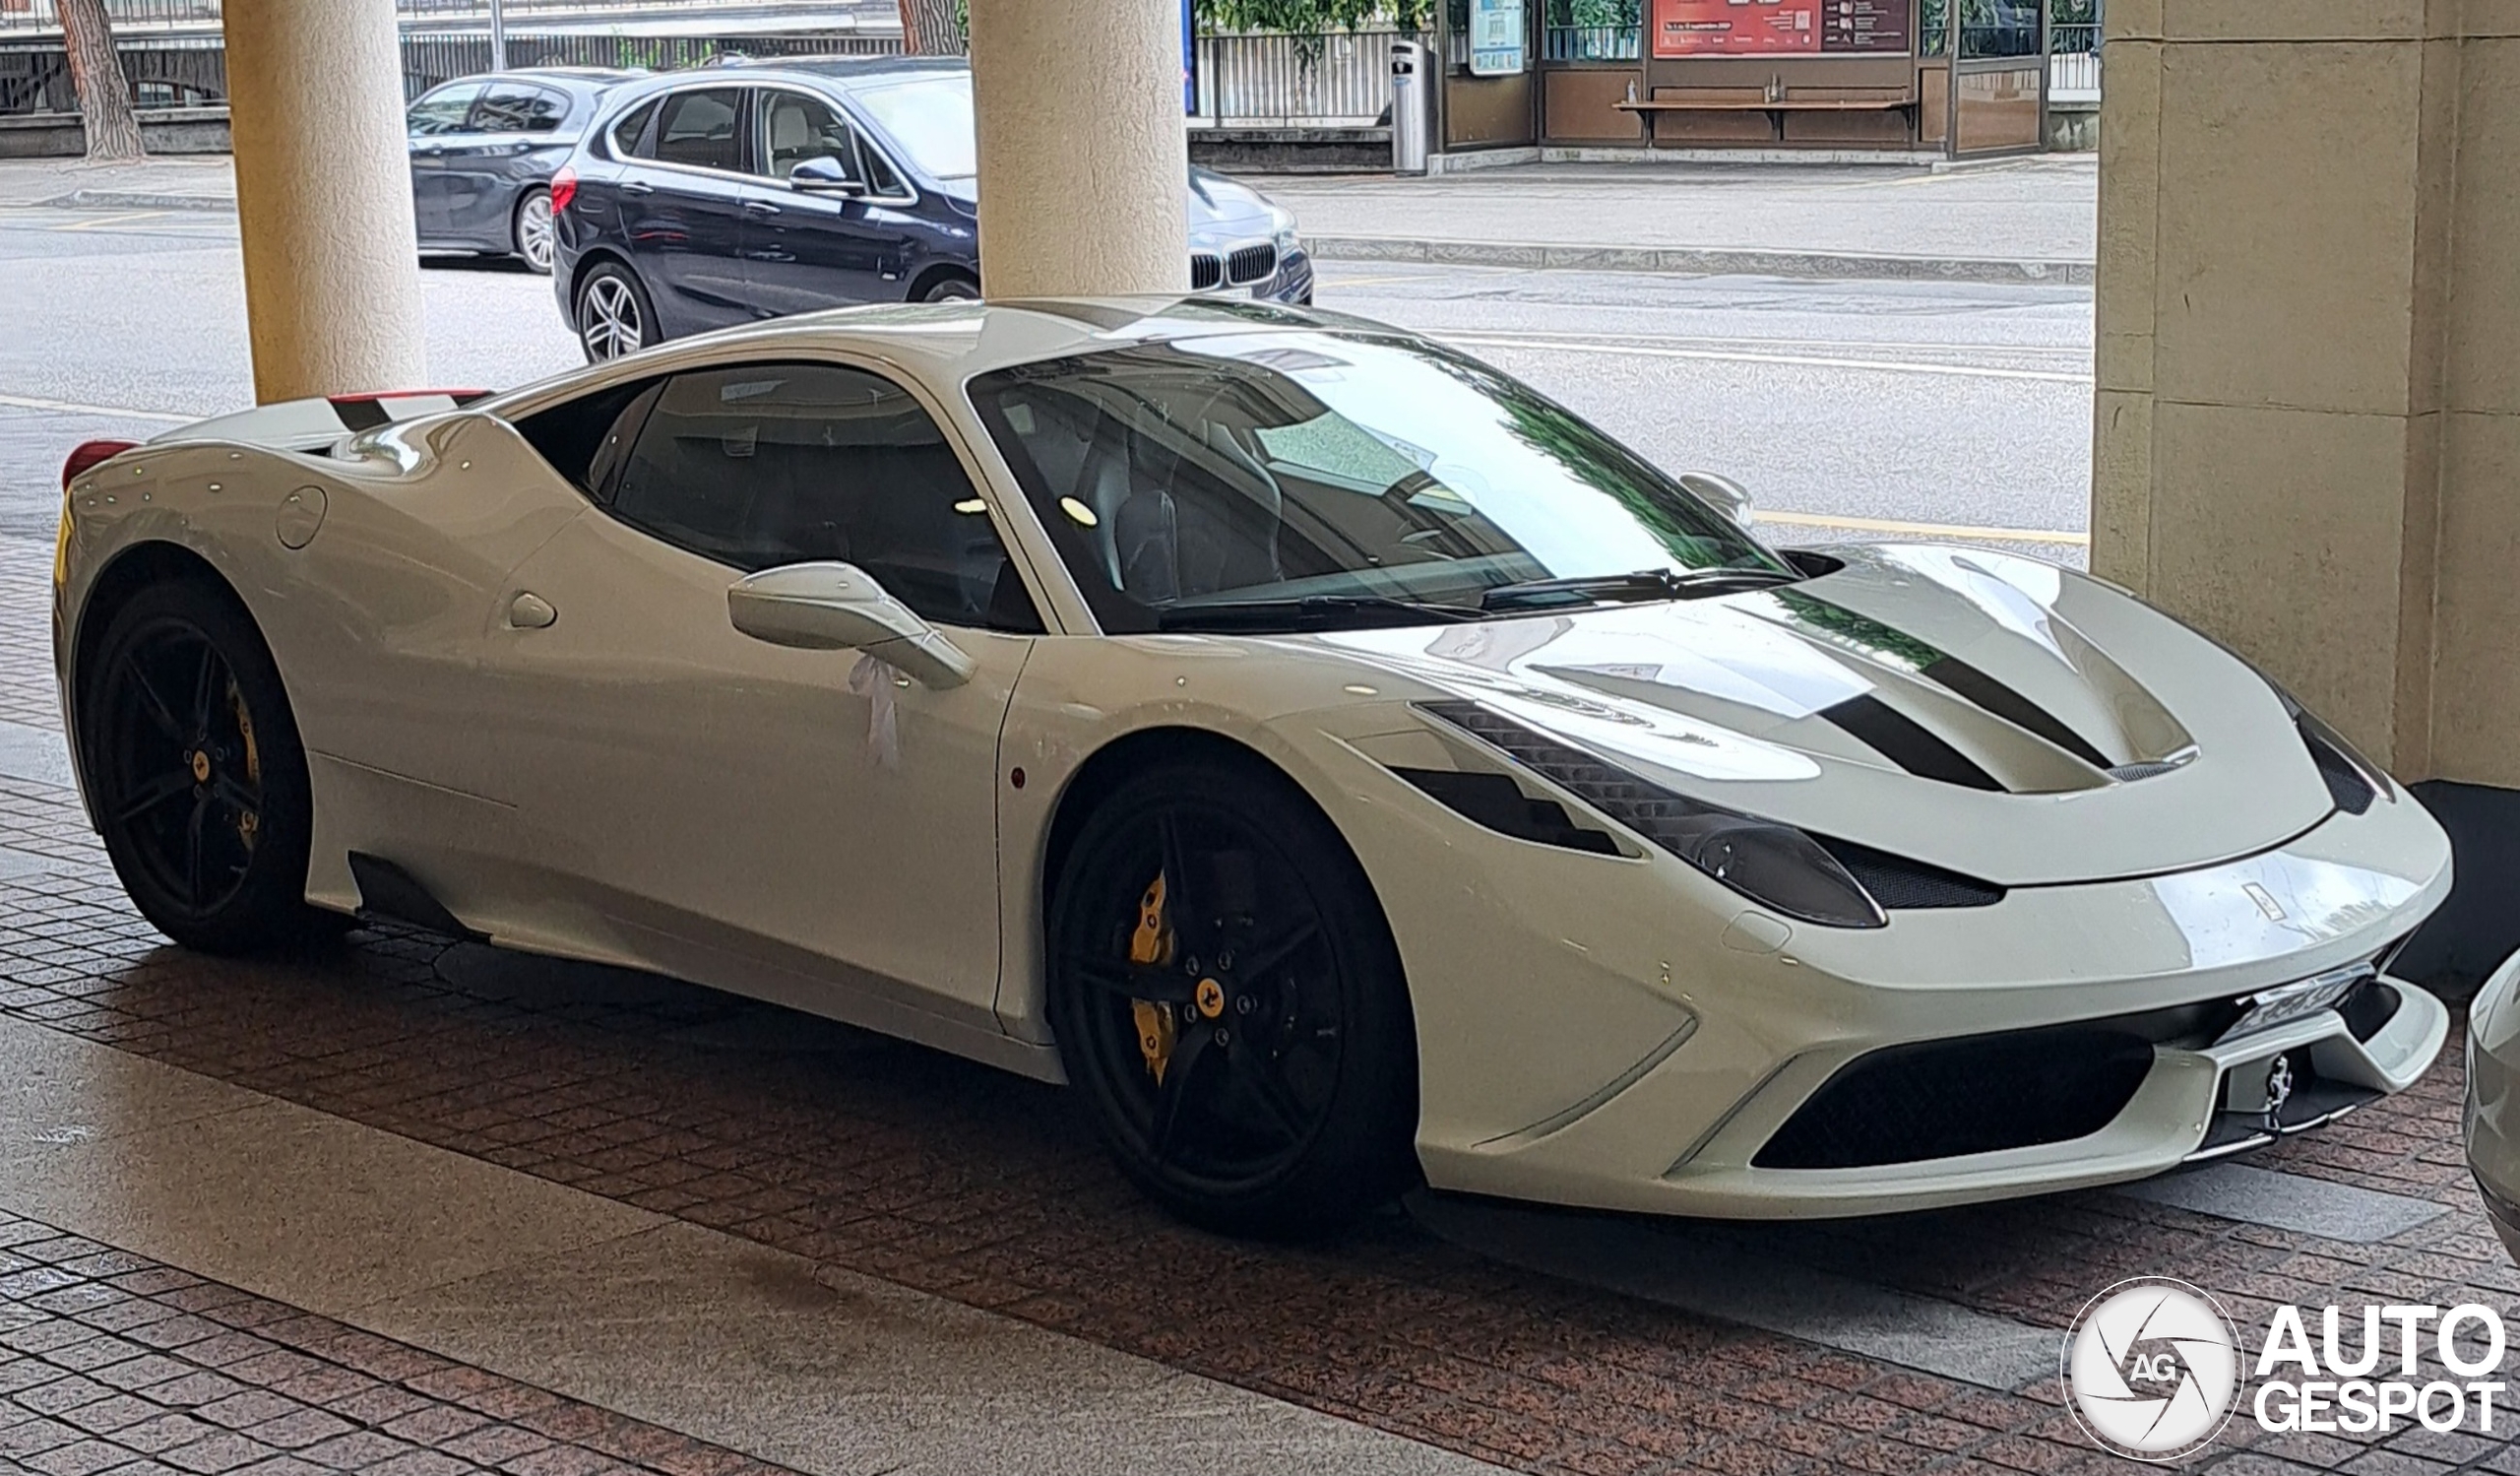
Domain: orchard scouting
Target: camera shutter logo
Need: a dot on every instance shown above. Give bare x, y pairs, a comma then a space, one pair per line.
2151, 1369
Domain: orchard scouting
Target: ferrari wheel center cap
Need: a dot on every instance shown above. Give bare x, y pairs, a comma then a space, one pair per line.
1211, 998
200, 766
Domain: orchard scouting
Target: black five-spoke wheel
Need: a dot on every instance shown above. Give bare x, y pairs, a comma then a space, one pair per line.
1226, 994
196, 778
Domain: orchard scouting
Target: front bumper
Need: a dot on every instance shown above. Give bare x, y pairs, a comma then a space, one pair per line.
2492, 1119
1756, 1025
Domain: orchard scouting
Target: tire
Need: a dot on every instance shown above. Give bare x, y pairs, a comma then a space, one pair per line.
532, 230
1274, 1095
195, 773
614, 314
952, 290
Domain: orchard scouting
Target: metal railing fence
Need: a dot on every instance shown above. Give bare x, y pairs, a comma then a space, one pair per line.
1591, 42
45, 16
1276, 80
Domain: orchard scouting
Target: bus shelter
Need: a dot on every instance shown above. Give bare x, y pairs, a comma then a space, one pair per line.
1966, 78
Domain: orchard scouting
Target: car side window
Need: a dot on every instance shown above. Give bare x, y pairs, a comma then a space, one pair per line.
762, 465
796, 128
698, 128
443, 109
632, 130
514, 107
584, 439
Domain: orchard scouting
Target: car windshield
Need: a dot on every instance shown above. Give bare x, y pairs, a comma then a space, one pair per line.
931, 119
1316, 474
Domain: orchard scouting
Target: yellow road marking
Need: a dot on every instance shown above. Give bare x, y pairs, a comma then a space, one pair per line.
1804, 360
115, 219
112, 411
1973, 531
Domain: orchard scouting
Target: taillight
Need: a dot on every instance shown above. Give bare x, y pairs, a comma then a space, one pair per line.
90, 454
564, 188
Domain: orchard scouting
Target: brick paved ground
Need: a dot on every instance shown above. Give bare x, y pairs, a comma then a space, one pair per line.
901, 1163
112, 1365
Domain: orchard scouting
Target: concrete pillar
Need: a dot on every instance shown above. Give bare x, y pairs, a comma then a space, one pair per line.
324, 197
2308, 429
1082, 157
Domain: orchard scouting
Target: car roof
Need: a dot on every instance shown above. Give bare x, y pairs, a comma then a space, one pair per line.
946, 343
857, 71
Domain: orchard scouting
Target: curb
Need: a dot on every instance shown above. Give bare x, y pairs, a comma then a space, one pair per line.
138, 200
1701, 260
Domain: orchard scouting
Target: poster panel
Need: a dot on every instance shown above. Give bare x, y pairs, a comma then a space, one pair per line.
1780, 28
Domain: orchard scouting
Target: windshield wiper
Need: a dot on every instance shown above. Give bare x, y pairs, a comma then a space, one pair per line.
1308, 612
1643, 584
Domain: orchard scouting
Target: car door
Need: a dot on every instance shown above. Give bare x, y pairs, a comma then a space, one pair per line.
487, 168
724, 804
439, 118
831, 243
683, 207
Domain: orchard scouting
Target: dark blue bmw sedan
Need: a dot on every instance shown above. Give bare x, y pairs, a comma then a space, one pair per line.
731, 194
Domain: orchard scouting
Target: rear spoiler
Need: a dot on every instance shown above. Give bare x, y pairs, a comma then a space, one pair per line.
314, 425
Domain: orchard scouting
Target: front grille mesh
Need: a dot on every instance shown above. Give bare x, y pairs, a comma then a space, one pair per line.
1981, 1094
1207, 269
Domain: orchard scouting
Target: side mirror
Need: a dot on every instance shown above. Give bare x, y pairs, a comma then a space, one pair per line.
823, 175
837, 606
1722, 494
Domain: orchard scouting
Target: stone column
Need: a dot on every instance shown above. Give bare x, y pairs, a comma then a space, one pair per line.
1083, 156
2306, 436
324, 197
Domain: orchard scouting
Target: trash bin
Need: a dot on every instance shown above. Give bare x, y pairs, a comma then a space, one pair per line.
1411, 86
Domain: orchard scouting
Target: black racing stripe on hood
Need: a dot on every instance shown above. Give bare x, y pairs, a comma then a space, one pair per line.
1905, 742
1976, 686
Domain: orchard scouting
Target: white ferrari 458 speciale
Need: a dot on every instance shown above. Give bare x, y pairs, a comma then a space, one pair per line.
1341, 762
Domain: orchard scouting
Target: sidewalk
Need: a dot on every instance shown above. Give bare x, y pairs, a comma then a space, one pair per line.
185, 181
2030, 220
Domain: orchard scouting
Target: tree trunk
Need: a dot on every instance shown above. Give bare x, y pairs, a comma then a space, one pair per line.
931, 27
95, 74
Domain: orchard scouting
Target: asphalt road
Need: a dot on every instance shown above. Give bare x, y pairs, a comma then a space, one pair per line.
1850, 409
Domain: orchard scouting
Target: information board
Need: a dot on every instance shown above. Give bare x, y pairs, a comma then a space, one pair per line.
1774, 27
1497, 37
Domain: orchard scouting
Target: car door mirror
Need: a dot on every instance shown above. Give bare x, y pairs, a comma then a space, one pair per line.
1722, 494
837, 606
823, 175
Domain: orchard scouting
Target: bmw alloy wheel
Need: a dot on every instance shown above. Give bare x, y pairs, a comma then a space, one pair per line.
534, 238
609, 321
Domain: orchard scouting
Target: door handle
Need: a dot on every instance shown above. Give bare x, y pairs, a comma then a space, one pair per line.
761, 208
531, 611
634, 187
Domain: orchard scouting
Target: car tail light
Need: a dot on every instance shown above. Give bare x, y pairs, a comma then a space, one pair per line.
564, 188
91, 454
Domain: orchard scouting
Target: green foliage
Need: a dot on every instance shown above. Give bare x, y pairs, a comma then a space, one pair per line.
1595, 14
1310, 16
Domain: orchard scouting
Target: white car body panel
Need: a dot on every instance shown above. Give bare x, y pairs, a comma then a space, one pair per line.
636, 781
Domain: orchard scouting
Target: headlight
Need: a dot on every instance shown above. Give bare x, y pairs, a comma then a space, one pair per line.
1285, 239
1771, 863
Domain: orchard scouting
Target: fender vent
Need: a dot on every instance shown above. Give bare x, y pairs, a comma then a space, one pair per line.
1495, 802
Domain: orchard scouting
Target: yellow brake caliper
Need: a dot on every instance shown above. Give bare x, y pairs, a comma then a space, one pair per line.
248, 824
1151, 945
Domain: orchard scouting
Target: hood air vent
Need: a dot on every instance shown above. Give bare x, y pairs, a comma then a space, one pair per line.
1905, 742
1976, 686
